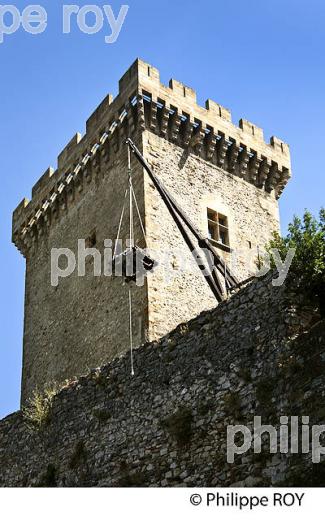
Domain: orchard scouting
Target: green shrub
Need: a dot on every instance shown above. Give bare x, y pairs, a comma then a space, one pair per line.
38, 410
307, 271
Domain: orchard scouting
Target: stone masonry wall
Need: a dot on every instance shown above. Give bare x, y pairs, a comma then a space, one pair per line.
203, 157
260, 353
198, 185
84, 320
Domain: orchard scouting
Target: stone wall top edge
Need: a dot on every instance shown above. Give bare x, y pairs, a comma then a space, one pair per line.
259, 289
76, 147
177, 91
139, 78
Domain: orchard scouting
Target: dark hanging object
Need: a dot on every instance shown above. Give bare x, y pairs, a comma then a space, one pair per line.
132, 264
183, 222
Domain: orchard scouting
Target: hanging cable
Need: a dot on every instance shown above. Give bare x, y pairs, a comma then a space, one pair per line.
134, 197
130, 199
183, 221
131, 245
131, 332
120, 225
139, 216
131, 252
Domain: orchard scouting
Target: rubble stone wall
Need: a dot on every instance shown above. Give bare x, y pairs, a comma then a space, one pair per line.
258, 354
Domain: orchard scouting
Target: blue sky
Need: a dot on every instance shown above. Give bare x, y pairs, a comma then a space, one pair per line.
263, 60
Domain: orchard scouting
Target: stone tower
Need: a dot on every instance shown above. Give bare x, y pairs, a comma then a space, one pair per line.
226, 177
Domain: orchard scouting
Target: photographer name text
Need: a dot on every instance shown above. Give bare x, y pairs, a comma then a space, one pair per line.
88, 19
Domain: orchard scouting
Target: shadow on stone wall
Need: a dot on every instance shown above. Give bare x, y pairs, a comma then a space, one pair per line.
261, 353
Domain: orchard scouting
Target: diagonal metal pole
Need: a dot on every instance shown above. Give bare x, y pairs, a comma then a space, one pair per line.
203, 242
212, 279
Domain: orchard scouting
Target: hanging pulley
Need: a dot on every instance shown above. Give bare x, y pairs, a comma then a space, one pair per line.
133, 264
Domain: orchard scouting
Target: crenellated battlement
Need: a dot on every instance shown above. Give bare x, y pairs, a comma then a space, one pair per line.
172, 112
